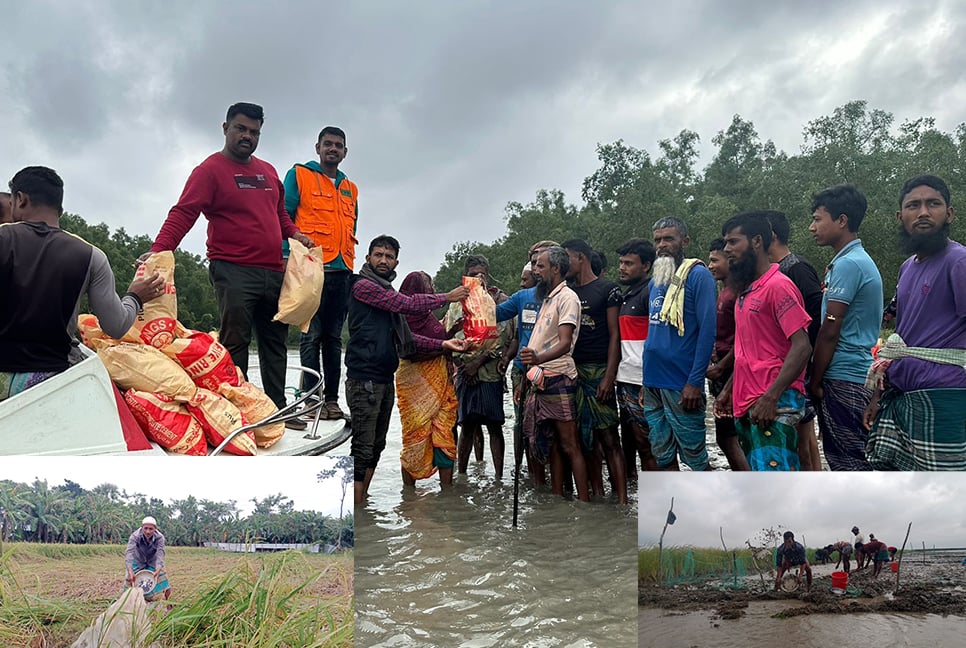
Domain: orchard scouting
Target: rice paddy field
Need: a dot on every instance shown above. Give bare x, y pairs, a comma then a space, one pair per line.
50, 593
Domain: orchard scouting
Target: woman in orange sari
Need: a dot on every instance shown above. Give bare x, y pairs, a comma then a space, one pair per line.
426, 398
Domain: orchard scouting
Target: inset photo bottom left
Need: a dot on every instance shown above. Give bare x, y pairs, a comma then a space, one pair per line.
154, 552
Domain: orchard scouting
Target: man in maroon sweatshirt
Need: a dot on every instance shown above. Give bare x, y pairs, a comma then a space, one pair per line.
243, 200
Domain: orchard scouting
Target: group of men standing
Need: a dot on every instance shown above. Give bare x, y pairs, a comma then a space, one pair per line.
778, 345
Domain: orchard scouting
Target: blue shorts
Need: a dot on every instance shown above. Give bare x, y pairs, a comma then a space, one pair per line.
674, 431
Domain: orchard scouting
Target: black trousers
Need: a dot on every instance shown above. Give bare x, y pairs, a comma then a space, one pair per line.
370, 405
247, 301
325, 335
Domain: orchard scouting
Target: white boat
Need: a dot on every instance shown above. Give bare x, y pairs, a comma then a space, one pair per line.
75, 413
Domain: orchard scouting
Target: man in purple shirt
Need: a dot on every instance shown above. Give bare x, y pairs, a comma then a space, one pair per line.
378, 336
917, 417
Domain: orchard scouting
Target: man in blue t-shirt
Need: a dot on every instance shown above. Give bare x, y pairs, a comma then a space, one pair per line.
851, 317
792, 554
680, 339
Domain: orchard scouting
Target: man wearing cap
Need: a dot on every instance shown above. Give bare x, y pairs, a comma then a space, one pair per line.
145, 550
791, 554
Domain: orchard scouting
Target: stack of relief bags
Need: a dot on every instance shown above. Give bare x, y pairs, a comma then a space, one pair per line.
181, 385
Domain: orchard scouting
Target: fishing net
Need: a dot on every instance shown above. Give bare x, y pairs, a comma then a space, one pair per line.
707, 567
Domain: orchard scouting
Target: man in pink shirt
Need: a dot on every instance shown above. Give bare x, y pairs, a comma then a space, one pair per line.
242, 198
766, 393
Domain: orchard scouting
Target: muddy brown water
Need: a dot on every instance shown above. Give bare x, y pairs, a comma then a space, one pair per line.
928, 609
448, 569
665, 629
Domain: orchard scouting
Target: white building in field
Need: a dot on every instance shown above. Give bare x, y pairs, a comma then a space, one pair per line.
259, 547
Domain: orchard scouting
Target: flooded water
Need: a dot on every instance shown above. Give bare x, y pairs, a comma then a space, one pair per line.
934, 583
662, 628
448, 569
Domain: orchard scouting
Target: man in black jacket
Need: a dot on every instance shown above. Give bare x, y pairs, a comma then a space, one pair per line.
378, 334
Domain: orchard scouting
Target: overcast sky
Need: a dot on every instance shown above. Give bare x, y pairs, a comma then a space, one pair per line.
171, 478
821, 506
452, 109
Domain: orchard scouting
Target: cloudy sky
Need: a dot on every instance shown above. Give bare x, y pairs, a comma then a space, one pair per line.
822, 506
176, 478
452, 109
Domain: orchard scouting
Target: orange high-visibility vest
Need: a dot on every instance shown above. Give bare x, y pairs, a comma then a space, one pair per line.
327, 215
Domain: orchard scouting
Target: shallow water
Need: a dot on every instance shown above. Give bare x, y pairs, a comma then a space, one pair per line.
448, 569
663, 628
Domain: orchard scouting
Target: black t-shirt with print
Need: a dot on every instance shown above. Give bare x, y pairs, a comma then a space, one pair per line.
593, 339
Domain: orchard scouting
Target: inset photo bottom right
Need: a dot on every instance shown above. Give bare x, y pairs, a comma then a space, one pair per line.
745, 559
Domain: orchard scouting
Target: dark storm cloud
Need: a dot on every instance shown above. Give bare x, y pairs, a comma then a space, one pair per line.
452, 109
61, 96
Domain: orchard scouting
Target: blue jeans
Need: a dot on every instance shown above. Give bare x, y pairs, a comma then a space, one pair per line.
325, 335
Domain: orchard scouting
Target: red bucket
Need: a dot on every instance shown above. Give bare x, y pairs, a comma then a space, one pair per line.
895, 567
840, 580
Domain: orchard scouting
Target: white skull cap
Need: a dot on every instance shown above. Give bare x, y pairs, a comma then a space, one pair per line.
149, 520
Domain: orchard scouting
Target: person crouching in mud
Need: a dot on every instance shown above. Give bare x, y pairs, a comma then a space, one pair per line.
145, 550
791, 554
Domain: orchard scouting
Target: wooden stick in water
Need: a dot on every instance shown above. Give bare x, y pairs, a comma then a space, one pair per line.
899, 568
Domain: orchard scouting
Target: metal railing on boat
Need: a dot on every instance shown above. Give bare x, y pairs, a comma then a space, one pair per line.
313, 403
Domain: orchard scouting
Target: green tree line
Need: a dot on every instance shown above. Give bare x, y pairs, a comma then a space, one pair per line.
631, 189
197, 307
107, 515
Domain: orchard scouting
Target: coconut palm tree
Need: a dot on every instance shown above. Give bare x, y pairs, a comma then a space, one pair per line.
12, 508
45, 510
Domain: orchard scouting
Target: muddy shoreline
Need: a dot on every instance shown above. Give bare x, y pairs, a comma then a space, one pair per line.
934, 588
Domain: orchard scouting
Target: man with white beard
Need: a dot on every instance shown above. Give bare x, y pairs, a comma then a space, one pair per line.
680, 339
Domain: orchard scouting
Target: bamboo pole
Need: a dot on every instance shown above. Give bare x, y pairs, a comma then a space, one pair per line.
660, 545
901, 551
734, 560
